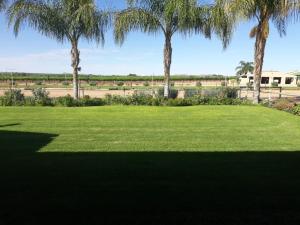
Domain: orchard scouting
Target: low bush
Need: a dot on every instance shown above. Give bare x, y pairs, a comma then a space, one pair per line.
223, 92
284, 105
115, 100
146, 84
287, 105
296, 110
173, 93
88, 101
179, 102
41, 97
229, 92
13, 97
67, 101
140, 99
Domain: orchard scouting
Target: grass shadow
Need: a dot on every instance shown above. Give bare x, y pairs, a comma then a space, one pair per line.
9, 125
145, 188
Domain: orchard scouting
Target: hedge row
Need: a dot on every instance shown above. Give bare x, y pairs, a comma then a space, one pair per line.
68, 77
41, 98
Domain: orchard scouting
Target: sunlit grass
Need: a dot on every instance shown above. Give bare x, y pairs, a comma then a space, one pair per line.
121, 128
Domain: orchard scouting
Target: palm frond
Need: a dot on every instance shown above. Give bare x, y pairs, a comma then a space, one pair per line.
3, 4
60, 19
135, 19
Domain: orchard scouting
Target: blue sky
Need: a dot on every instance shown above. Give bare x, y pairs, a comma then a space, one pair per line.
142, 54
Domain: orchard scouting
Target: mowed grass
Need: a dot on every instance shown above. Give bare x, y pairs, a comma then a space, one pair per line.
208, 128
149, 165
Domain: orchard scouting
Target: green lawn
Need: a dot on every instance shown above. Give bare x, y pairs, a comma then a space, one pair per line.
149, 165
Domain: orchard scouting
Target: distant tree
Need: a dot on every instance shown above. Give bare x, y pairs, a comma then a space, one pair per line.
169, 17
243, 69
63, 20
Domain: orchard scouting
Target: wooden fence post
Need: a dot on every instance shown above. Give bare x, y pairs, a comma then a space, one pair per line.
280, 92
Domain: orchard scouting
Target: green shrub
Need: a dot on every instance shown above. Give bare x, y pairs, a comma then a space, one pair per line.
146, 84
229, 92
202, 100
13, 97
141, 99
173, 93
41, 97
87, 101
224, 92
296, 110
284, 104
67, 101
116, 100
179, 102
30, 101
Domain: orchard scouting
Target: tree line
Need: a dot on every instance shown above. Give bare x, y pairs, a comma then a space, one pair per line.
73, 20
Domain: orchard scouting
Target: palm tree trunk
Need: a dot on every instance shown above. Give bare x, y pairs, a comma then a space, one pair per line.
75, 63
167, 64
260, 45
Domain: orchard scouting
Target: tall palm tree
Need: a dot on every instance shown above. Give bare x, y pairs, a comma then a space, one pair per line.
63, 20
264, 12
244, 68
169, 17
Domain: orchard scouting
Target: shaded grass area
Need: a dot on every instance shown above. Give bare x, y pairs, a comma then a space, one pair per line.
42, 186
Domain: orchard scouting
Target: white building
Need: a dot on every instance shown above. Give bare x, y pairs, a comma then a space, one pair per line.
273, 78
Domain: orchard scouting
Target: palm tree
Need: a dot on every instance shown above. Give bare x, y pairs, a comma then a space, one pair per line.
263, 11
63, 20
244, 68
169, 17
